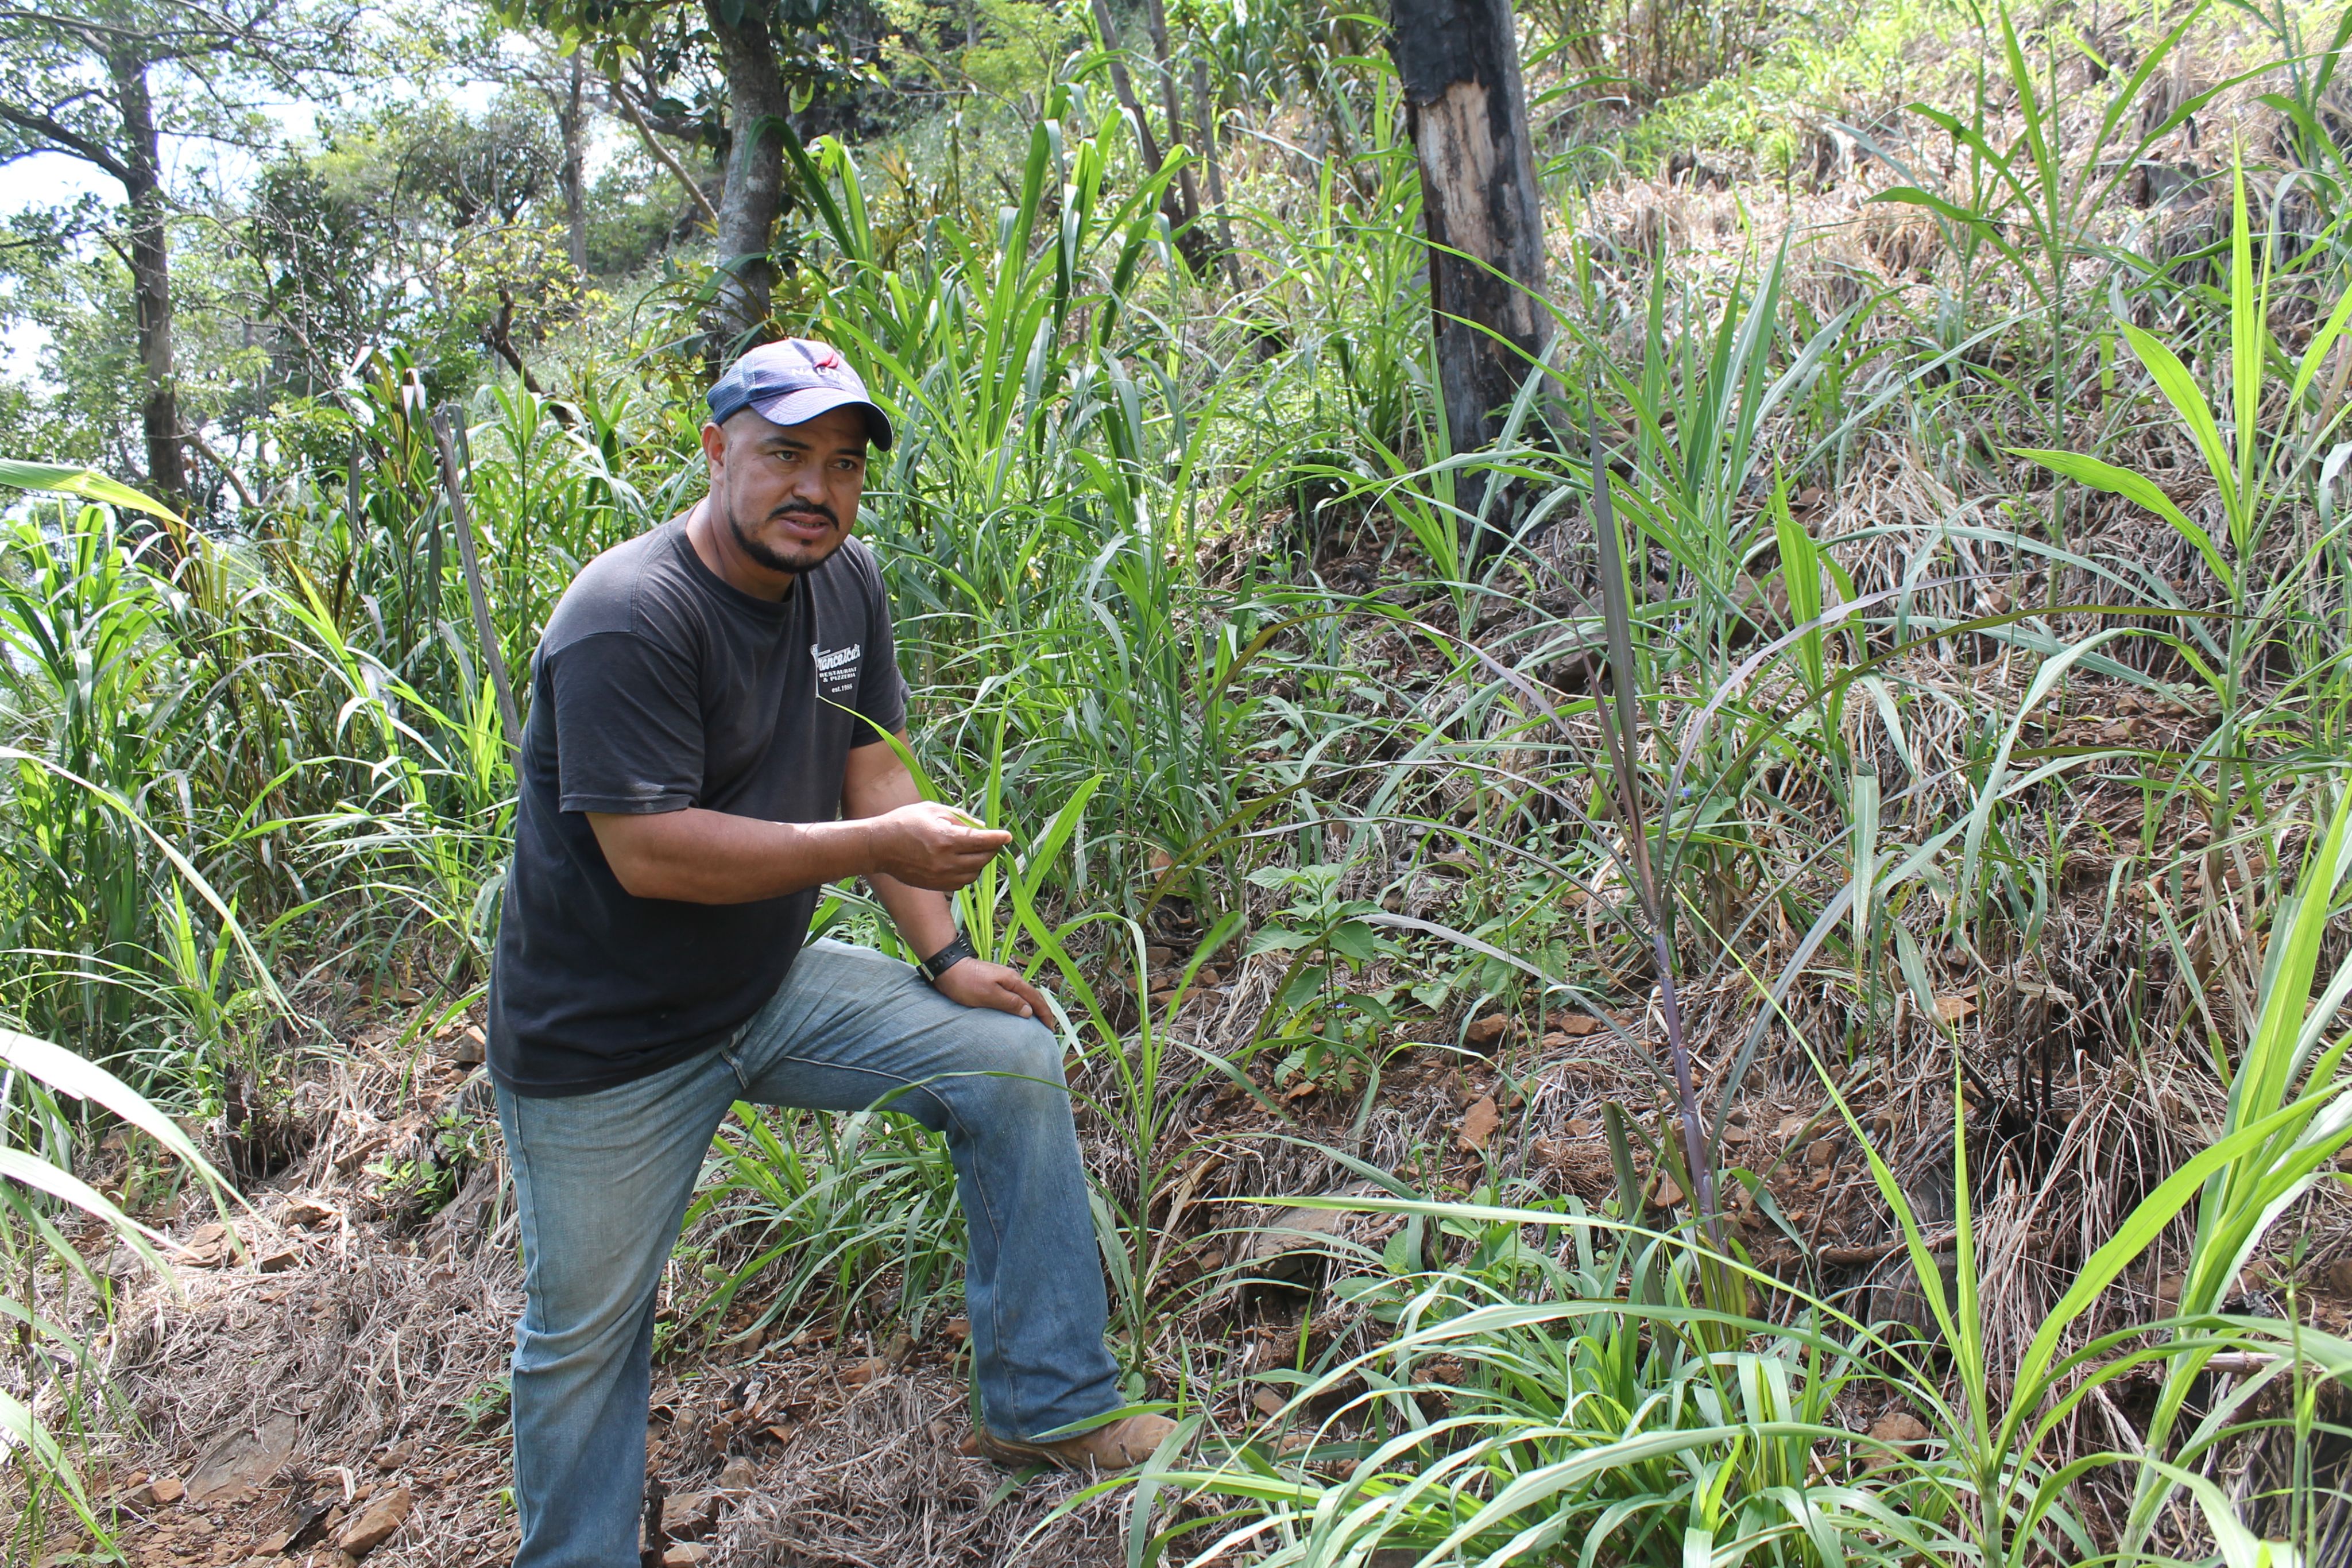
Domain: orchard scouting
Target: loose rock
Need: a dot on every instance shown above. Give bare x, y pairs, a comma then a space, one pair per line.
374, 1527
690, 1516
1484, 1034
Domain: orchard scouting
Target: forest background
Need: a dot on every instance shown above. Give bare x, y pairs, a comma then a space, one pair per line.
1781, 1008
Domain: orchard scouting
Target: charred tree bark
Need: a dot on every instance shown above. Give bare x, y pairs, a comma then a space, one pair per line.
752, 197
150, 257
1459, 62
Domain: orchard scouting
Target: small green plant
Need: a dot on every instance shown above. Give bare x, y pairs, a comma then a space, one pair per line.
488, 1404
1329, 1032
421, 1186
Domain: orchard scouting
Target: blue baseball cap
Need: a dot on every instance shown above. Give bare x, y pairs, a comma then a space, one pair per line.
792, 383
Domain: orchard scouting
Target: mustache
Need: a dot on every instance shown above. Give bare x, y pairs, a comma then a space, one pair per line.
808, 509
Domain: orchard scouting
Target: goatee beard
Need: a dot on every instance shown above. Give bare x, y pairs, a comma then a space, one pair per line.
775, 559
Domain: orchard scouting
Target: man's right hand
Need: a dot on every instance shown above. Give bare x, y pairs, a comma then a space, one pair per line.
926, 844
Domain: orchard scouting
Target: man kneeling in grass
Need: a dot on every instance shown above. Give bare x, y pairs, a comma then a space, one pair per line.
702, 754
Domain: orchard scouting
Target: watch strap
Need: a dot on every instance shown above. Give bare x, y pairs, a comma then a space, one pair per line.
947, 957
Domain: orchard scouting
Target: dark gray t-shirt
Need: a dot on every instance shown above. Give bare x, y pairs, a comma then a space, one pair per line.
657, 687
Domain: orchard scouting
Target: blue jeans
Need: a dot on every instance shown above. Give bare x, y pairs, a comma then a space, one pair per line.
603, 1180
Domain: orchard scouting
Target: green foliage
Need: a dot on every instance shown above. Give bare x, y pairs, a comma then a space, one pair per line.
1193, 602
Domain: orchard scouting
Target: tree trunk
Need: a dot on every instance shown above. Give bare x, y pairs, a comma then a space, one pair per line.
150, 280
753, 194
1459, 62
572, 119
1155, 18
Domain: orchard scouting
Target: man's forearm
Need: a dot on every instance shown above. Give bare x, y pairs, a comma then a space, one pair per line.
924, 918
699, 856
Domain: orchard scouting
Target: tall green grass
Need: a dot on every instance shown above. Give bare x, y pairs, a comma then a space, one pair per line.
1192, 601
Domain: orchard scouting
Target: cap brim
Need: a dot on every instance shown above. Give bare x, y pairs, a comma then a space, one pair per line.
800, 407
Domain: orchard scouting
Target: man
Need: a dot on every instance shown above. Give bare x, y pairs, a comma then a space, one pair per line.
704, 753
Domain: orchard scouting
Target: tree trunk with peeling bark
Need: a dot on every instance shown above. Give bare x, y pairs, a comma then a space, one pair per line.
1459, 63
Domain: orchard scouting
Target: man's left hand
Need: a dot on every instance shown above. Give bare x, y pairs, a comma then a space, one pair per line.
979, 985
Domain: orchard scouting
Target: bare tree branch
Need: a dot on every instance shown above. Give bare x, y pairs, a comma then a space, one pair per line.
67, 140
662, 155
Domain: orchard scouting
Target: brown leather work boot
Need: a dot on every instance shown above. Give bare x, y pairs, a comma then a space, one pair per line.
1116, 1446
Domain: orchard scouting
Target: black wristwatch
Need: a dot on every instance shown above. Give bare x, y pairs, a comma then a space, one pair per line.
947, 959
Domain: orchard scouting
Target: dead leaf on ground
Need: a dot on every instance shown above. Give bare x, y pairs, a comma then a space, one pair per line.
245, 1457
1478, 1124
1952, 1009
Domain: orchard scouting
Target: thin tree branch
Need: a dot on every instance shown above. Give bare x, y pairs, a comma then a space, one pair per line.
661, 154
194, 438
67, 140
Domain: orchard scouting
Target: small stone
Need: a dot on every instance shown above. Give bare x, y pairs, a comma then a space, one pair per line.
1268, 1402
858, 1374
375, 1525
957, 1329
198, 1525
467, 1048
687, 1517
279, 1260
166, 1489
1900, 1431
2340, 1277
304, 1211
1484, 1034
271, 1545
684, 1554
1823, 1154
736, 1475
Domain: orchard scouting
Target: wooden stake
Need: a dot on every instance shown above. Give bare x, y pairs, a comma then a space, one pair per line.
470, 561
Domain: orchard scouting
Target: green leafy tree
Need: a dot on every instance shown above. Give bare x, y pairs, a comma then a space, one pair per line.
772, 56
101, 80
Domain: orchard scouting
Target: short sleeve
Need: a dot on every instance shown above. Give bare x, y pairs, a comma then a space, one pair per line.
628, 727
881, 691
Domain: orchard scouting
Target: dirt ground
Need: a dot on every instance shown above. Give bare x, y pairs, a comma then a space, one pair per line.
325, 1385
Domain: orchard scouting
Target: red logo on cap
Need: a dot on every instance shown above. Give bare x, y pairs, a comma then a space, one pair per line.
828, 360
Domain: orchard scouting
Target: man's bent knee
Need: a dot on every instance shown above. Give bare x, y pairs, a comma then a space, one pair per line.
1013, 1065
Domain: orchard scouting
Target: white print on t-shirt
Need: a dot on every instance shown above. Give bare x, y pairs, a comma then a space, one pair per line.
837, 671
